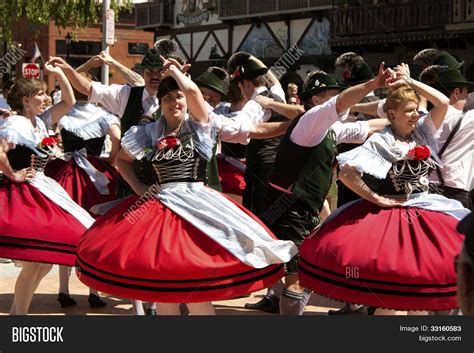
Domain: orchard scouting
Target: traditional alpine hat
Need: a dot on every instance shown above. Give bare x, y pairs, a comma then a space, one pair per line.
452, 78
359, 74
249, 70
317, 83
212, 81
151, 60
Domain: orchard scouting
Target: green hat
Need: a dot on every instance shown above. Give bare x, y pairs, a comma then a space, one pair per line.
212, 81
452, 78
359, 74
446, 59
318, 83
151, 60
250, 69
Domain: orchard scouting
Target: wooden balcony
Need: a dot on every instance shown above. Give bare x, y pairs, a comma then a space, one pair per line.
154, 14
237, 9
408, 20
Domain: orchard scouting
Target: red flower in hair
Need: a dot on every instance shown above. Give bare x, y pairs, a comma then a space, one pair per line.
49, 141
419, 153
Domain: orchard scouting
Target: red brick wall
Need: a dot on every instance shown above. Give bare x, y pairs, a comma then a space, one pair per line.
46, 38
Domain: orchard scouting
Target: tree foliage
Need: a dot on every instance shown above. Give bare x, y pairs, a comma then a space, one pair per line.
75, 13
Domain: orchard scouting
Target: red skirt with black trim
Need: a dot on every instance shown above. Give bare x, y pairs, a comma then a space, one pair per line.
33, 228
143, 250
396, 258
79, 185
231, 178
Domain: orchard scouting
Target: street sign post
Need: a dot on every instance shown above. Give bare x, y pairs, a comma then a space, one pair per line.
31, 70
110, 27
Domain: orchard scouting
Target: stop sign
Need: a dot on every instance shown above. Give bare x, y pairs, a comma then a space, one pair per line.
31, 71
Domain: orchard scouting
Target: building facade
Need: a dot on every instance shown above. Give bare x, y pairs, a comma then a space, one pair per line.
209, 31
130, 44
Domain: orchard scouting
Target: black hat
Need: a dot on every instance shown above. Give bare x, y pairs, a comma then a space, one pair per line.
452, 78
319, 82
359, 74
212, 81
250, 69
446, 59
166, 85
151, 60
466, 227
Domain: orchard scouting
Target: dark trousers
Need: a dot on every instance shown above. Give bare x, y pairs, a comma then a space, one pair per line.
256, 185
463, 196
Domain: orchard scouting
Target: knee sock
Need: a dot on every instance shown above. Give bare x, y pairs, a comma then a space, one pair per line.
293, 303
138, 307
64, 279
276, 290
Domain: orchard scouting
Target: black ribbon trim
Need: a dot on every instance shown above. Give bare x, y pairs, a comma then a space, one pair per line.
37, 241
207, 279
36, 247
185, 289
376, 290
389, 283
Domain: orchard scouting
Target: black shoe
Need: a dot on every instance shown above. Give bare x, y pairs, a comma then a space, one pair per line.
95, 301
260, 305
346, 310
274, 307
371, 310
65, 300
150, 312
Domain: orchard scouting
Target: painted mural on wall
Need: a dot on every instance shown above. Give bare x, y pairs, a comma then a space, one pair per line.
315, 41
195, 12
261, 44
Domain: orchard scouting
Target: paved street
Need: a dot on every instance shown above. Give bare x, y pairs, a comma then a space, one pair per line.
45, 303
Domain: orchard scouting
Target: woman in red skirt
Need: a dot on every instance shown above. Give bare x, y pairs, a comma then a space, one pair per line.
179, 241
86, 176
40, 224
395, 247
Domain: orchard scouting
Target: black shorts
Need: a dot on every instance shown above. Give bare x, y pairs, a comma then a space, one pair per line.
290, 219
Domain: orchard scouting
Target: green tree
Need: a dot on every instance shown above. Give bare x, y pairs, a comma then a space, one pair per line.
75, 13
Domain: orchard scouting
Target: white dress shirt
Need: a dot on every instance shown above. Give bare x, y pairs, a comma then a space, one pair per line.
114, 98
458, 158
231, 127
313, 126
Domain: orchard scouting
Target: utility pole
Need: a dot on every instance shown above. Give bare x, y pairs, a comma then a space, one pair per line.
108, 35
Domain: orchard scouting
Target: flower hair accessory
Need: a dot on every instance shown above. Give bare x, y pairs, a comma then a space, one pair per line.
168, 142
419, 153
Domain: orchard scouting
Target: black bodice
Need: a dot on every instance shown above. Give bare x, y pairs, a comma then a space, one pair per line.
178, 164
72, 142
23, 157
404, 178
